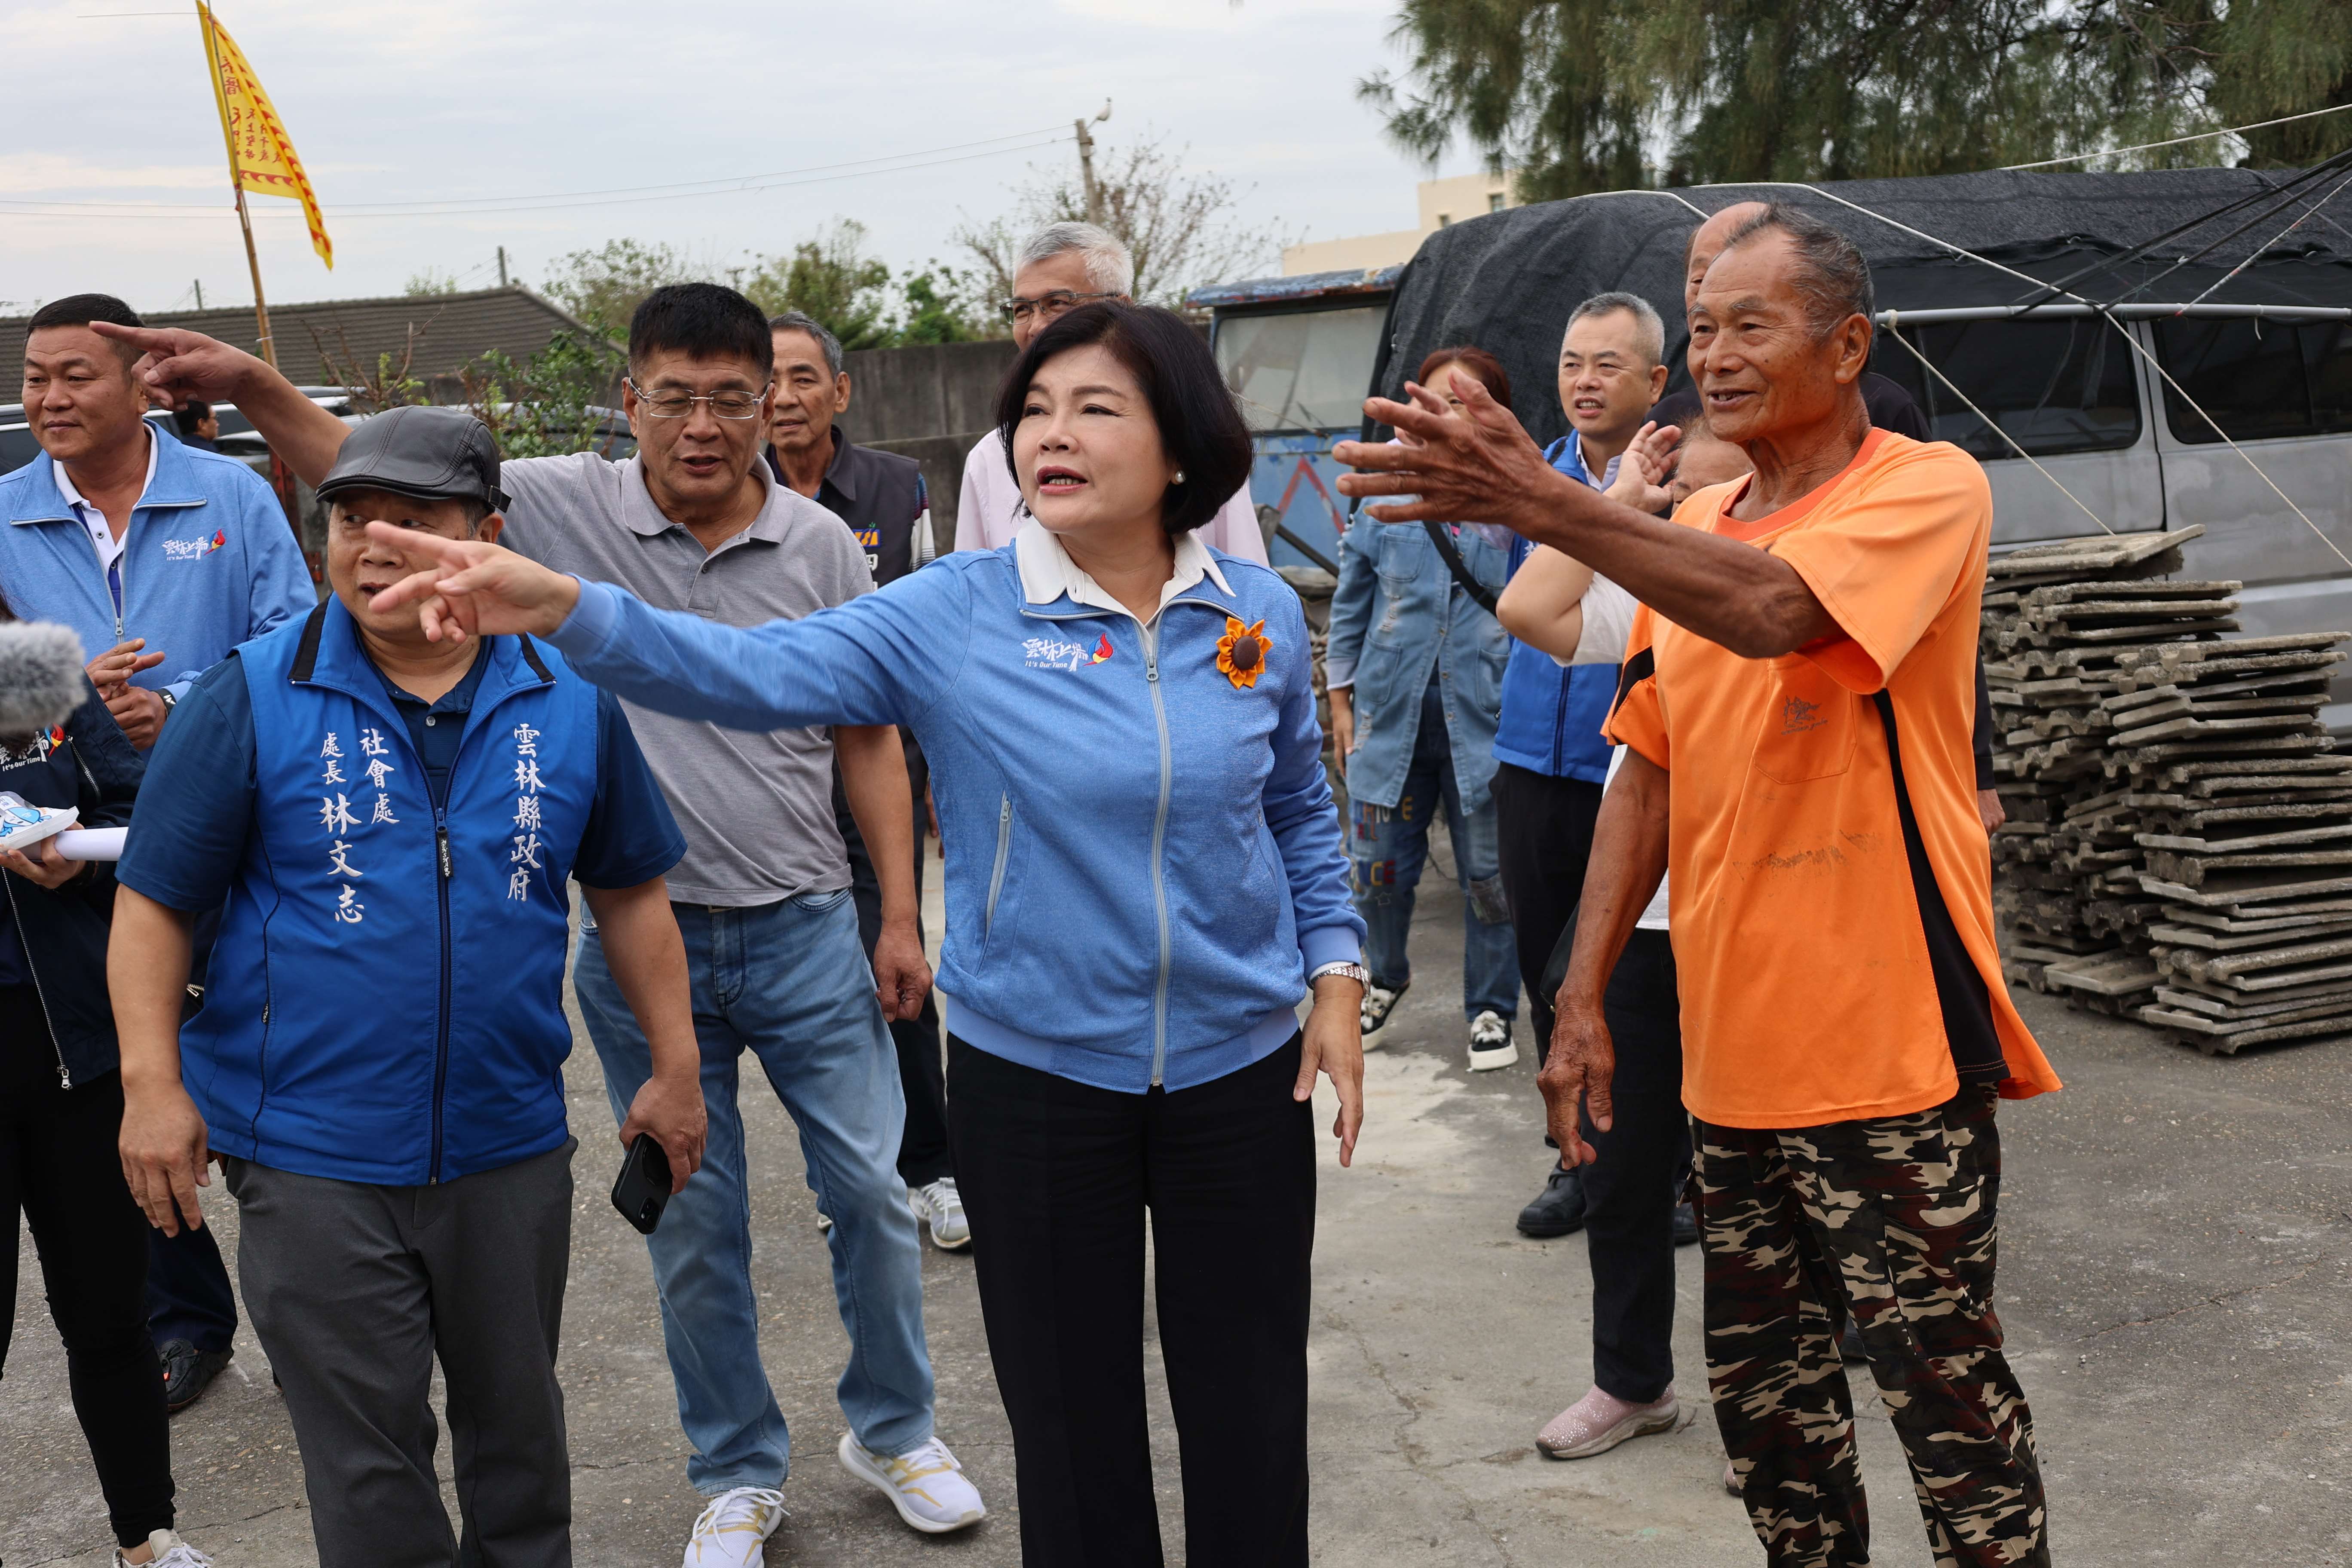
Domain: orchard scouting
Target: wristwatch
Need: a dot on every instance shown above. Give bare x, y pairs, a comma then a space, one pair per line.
1345, 971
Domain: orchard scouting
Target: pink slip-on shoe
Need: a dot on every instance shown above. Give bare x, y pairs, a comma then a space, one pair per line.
1599, 1421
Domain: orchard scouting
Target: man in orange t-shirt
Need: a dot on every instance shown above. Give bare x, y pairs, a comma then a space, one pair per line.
1804, 672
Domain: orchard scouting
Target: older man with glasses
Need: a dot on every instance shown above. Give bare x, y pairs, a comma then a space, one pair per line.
1062, 267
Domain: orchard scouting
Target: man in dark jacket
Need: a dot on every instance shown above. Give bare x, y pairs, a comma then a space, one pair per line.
60, 1112
882, 498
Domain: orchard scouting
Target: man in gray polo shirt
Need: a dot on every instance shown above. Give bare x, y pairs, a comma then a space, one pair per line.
696, 523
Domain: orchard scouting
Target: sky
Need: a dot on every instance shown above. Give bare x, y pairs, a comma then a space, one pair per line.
510, 104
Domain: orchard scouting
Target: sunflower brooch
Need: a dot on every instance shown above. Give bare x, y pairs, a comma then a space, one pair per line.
1241, 652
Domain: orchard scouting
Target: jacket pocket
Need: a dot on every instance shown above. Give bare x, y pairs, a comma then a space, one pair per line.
1808, 728
996, 872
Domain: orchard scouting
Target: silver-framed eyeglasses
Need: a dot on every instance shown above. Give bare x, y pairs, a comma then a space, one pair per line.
1050, 305
665, 403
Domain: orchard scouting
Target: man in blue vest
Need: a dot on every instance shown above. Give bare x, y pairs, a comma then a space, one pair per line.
392, 824
1552, 758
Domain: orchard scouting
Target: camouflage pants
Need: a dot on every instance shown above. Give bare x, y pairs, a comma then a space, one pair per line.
1898, 1217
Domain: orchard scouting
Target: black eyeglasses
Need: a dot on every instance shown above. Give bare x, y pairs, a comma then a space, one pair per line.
1050, 305
667, 404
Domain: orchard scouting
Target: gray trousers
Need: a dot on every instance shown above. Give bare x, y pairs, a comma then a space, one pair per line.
353, 1290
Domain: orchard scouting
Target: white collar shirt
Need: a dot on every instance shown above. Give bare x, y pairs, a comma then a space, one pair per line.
1047, 572
93, 521
989, 512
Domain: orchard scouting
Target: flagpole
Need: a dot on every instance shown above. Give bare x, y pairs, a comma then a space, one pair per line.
244, 219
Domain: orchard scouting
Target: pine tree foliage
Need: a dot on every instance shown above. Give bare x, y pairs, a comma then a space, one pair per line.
1587, 95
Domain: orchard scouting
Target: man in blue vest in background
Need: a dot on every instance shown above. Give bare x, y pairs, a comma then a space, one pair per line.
1552, 760
392, 824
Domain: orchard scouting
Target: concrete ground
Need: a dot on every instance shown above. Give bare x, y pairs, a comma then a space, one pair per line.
2177, 1283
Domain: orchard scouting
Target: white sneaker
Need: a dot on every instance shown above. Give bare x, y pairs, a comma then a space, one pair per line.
1379, 1005
940, 1207
925, 1484
733, 1530
1491, 1045
170, 1550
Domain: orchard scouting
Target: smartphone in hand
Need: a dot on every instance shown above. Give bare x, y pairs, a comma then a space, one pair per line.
643, 1187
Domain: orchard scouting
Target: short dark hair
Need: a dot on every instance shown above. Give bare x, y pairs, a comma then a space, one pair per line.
1832, 279
1201, 425
1478, 361
190, 414
707, 321
80, 310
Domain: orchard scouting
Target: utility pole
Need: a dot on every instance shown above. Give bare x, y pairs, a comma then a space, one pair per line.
200, 293
502, 266
1087, 164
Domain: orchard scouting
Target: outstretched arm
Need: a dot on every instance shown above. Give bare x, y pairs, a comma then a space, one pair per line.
175, 366
1479, 465
875, 660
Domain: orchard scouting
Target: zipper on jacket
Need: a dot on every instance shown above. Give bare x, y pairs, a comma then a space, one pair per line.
1159, 839
65, 1078
1003, 852
441, 1031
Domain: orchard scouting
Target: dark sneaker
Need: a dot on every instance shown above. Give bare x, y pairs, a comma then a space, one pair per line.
1685, 1225
1380, 1003
187, 1371
1559, 1210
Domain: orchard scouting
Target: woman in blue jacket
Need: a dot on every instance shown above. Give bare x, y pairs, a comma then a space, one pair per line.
1415, 667
60, 1110
1143, 878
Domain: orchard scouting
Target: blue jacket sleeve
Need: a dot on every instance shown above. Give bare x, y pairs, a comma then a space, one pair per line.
1351, 608
881, 658
1306, 826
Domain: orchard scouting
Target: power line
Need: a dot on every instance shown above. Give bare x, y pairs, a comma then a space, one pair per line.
557, 201
2176, 141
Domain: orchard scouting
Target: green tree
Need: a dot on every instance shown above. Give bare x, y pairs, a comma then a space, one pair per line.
549, 405
603, 287
429, 282
1583, 95
1184, 229
946, 306
832, 278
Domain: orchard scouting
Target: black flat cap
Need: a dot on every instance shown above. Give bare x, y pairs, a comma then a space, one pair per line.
432, 454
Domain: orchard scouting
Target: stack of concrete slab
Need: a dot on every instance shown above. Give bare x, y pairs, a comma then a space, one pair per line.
2179, 847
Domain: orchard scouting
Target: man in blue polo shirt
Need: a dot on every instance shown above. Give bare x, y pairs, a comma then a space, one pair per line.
392, 824
1552, 760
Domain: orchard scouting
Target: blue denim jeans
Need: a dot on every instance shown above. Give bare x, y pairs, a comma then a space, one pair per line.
1388, 845
789, 982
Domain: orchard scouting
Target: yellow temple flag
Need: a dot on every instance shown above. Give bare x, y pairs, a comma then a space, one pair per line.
261, 157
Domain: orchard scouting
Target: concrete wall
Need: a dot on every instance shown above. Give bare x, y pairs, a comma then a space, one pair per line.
925, 389
942, 460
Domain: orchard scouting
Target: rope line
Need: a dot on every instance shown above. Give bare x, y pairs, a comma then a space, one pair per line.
2176, 140
2109, 317
2275, 239
1895, 331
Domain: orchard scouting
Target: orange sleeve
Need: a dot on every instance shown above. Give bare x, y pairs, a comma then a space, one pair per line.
1637, 718
1886, 561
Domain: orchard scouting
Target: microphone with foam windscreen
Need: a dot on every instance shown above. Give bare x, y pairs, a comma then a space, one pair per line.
41, 680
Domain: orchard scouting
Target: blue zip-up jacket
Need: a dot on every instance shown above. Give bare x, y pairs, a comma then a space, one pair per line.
385, 1002
1397, 614
208, 561
1142, 853
1551, 716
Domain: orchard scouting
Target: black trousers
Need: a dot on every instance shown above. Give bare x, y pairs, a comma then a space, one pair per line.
1057, 1177
1544, 828
923, 1155
1630, 1193
60, 1168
